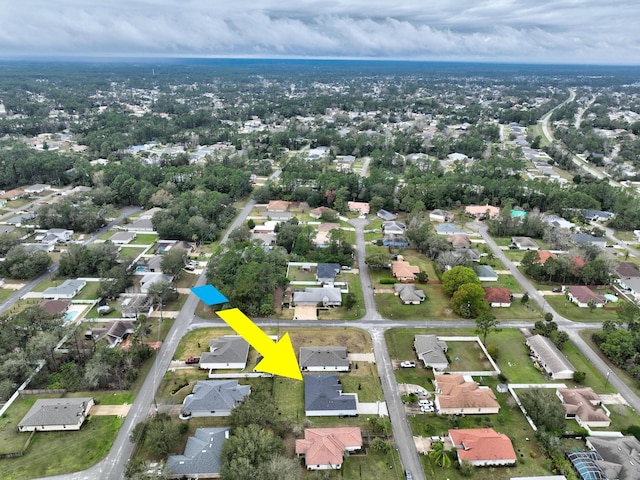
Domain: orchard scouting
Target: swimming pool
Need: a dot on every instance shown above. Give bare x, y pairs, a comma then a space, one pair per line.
70, 316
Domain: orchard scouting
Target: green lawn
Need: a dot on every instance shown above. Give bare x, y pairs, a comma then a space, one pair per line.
296, 274
435, 306
518, 311
467, 357
594, 379
341, 313
5, 293
514, 255
131, 252
509, 421
507, 281
93, 313
502, 241
571, 311
89, 292
54, 453
357, 467
144, 239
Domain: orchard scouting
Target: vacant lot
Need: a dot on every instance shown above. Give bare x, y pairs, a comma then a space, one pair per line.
467, 357
435, 306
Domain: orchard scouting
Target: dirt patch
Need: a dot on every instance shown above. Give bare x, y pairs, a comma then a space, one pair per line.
119, 410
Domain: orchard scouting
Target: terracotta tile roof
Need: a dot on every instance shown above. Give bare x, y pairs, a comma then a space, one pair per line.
55, 306
326, 446
497, 295
458, 393
278, 206
545, 255
482, 444
582, 403
401, 269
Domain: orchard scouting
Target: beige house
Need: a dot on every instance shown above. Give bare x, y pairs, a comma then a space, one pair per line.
457, 396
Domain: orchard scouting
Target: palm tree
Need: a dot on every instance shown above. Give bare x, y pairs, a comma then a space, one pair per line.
439, 455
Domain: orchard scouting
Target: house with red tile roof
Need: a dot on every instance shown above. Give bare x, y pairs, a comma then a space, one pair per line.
324, 448
581, 295
278, 206
483, 447
482, 211
362, 207
455, 396
498, 296
581, 404
404, 271
544, 255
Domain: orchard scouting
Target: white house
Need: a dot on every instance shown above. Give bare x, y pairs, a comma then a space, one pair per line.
226, 352
323, 397
549, 358
68, 289
324, 359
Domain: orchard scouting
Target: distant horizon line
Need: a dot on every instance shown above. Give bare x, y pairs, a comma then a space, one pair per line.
172, 58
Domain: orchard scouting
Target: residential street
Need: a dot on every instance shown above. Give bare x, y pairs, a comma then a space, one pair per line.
112, 467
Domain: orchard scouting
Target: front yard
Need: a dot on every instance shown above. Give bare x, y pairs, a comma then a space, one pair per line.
571, 311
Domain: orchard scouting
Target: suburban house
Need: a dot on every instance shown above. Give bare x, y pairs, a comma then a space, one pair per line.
37, 188
588, 239
326, 273
153, 278
394, 228
326, 297
524, 243
324, 448
403, 271
361, 207
485, 273
214, 398
142, 225
431, 351
395, 241
438, 215
323, 397
409, 294
68, 289
482, 211
498, 296
55, 235
278, 206
619, 456
323, 238
13, 194
123, 238
483, 447
455, 395
132, 306
629, 278
549, 358
597, 215
581, 404
317, 212
54, 307
558, 222
386, 216
544, 255
55, 414
201, 457
324, 359
459, 241
226, 352
581, 295
469, 254
268, 227
450, 229
114, 333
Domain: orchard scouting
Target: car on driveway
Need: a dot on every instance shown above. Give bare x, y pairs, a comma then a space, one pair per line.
420, 391
192, 360
408, 364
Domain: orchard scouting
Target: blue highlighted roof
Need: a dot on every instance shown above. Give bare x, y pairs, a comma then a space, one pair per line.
209, 295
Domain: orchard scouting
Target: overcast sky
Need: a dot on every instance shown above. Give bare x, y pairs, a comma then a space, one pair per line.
557, 31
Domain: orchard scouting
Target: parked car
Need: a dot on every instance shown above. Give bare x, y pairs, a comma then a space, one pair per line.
420, 391
427, 409
407, 364
557, 290
346, 268
192, 360
408, 475
425, 403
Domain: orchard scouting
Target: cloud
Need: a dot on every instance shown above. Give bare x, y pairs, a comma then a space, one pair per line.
500, 30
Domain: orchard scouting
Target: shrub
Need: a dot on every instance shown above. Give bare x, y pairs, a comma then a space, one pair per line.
388, 281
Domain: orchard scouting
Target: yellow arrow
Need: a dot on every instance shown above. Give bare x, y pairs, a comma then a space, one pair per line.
278, 358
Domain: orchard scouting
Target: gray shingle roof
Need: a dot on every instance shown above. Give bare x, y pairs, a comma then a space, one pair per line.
324, 392
227, 349
547, 351
55, 411
324, 357
215, 396
327, 271
201, 454
430, 350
